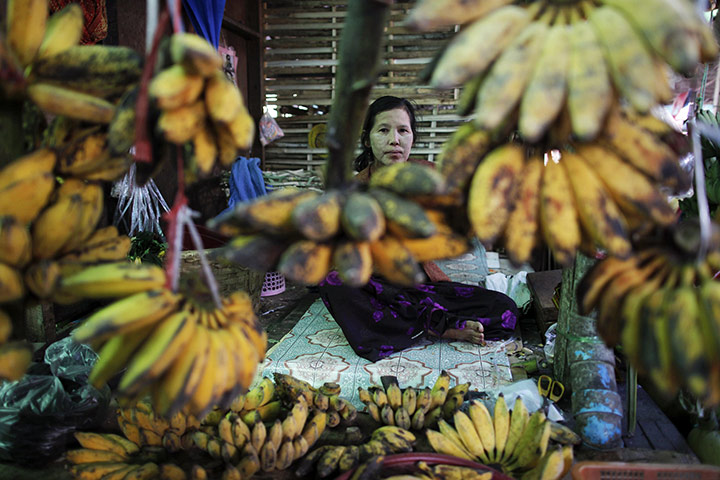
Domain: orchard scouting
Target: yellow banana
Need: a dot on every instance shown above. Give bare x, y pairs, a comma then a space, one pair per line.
433, 14
408, 179
442, 444
546, 90
195, 54
97, 70
484, 426
506, 81
353, 262
130, 313
473, 50
395, 262
518, 420
63, 30
222, 98
409, 401
501, 422
461, 155
106, 441
5, 327
159, 351
204, 150
114, 354
318, 218
11, 284
15, 358
645, 151
633, 191
181, 124
558, 213
71, 103
91, 198
598, 213
524, 222
56, 226
121, 131
533, 444
405, 218
15, 243
492, 191
24, 193
175, 87
470, 438
589, 90
687, 344
285, 455
362, 218
630, 64
117, 279
306, 262
25, 27
273, 213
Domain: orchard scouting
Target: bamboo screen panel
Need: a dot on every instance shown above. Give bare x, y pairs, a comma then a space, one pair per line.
301, 52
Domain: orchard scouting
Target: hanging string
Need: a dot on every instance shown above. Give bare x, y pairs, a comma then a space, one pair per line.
696, 129
175, 13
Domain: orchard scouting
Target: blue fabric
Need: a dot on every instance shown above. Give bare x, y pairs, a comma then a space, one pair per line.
206, 17
246, 181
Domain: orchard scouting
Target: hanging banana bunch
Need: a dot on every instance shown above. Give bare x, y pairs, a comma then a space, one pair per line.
556, 72
200, 107
662, 306
383, 227
535, 62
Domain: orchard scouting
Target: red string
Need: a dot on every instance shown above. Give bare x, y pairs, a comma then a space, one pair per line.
174, 234
143, 150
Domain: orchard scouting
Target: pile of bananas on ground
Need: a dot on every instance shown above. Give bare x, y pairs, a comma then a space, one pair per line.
200, 106
325, 398
182, 447
513, 441
179, 347
304, 234
58, 75
663, 307
539, 61
581, 196
410, 408
329, 459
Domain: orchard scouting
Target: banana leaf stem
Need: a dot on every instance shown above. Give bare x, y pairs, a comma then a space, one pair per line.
359, 58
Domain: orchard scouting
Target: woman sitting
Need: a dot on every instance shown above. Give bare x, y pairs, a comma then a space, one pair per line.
381, 318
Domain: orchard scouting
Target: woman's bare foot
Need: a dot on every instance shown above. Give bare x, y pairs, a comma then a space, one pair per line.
473, 333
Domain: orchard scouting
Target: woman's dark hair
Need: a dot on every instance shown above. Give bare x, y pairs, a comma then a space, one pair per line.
380, 105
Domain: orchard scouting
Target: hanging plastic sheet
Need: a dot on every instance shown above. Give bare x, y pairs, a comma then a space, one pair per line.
206, 17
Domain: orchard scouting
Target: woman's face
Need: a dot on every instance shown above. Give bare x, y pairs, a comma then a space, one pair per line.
391, 136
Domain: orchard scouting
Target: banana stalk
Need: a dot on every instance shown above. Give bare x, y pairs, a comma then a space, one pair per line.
357, 69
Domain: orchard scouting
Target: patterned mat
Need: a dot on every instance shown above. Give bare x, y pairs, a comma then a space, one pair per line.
316, 351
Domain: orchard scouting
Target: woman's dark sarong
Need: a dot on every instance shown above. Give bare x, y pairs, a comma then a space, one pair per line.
381, 318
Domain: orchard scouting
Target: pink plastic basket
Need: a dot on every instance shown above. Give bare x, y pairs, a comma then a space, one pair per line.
273, 284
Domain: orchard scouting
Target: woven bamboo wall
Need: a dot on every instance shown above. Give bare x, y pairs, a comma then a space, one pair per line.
301, 51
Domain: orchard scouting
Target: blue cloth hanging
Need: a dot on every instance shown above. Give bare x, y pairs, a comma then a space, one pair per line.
246, 181
206, 17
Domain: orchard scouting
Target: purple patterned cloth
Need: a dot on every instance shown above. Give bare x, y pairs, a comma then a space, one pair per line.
381, 318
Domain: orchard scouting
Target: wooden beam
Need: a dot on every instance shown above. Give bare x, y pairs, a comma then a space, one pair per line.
238, 28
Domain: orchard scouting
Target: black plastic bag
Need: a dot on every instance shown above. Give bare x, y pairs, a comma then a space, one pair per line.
39, 412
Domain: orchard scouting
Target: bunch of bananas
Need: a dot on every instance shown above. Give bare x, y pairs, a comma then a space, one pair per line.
329, 459
663, 307
546, 61
580, 197
183, 350
58, 75
106, 455
142, 426
258, 446
325, 398
200, 106
513, 441
411, 408
304, 234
